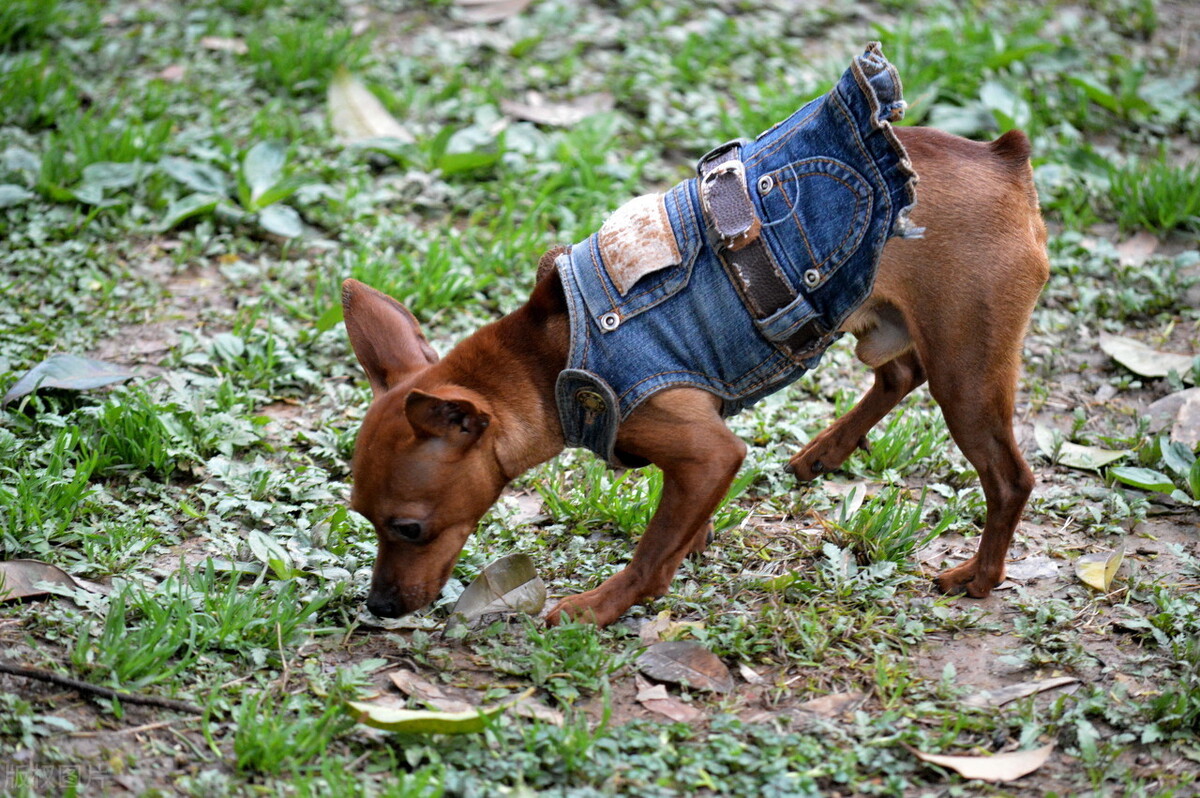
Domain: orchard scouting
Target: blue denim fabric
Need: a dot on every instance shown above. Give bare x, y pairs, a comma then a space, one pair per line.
830, 185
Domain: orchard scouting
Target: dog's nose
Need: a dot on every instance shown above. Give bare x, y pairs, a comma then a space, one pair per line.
385, 606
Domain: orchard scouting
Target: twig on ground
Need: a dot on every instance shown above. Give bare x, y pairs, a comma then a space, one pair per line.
96, 690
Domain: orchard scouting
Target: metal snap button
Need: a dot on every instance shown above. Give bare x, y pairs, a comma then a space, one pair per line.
610, 322
812, 277
765, 184
590, 400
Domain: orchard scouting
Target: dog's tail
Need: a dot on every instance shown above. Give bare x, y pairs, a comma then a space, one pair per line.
1011, 151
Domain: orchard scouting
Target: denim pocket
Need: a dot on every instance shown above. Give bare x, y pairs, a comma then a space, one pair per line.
815, 214
642, 256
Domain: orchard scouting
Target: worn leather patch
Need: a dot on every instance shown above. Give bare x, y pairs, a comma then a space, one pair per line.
636, 240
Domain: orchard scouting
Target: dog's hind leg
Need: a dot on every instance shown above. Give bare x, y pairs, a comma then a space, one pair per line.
979, 415
680, 431
886, 345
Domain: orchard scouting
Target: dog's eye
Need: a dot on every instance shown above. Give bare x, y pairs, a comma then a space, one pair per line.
406, 529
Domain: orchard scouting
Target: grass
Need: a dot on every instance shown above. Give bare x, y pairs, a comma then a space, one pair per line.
1159, 196
187, 210
299, 56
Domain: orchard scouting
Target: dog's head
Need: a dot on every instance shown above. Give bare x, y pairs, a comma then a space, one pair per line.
424, 467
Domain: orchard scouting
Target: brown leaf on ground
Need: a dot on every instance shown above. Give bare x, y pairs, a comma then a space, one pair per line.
19, 580
749, 674
656, 699
1163, 413
685, 662
172, 74
995, 768
507, 585
541, 111
1003, 695
427, 692
1186, 429
834, 704
224, 44
1141, 359
1134, 250
355, 114
491, 10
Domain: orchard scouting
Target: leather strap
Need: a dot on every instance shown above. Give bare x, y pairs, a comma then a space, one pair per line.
762, 285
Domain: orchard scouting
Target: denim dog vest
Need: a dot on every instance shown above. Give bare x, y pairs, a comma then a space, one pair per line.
665, 295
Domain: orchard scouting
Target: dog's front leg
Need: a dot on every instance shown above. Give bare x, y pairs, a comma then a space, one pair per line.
681, 432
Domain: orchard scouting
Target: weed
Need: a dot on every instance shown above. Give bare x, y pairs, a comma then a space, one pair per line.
887, 528
299, 56
150, 637
909, 438
1159, 196
35, 89
38, 504
569, 661
92, 139
127, 433
282, 736
427, 278
260, 186
626, 499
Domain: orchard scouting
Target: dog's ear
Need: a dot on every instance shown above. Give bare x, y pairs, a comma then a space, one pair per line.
386, 338
457, 421
546, 262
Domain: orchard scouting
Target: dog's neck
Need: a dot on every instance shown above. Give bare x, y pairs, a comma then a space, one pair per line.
514, 362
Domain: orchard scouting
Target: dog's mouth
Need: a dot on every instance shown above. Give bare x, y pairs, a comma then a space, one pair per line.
393, 602
390, 597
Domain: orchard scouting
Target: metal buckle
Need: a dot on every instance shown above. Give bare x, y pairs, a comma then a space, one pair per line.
725, 167
720, 149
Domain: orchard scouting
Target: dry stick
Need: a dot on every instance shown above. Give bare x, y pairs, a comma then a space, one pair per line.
94, 689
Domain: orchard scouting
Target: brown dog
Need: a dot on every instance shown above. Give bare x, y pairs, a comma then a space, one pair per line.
443, 438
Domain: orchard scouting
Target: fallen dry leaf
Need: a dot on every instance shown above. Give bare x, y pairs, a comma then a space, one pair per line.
1162, 413
19, 580
418, 721
834, 704
1003, 695
355, 114
541, 111
656, 699
1098, 570
507, 585
67, 373
1141, 359
224, 44
685, 662
173, 73
651, 631
1032, 568
749, 674
995, 768
1133, 251
528, 708
491, 10
423, 690
1186, 428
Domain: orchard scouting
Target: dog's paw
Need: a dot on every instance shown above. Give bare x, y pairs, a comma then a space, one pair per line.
966, 580
583, 608
702, 540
